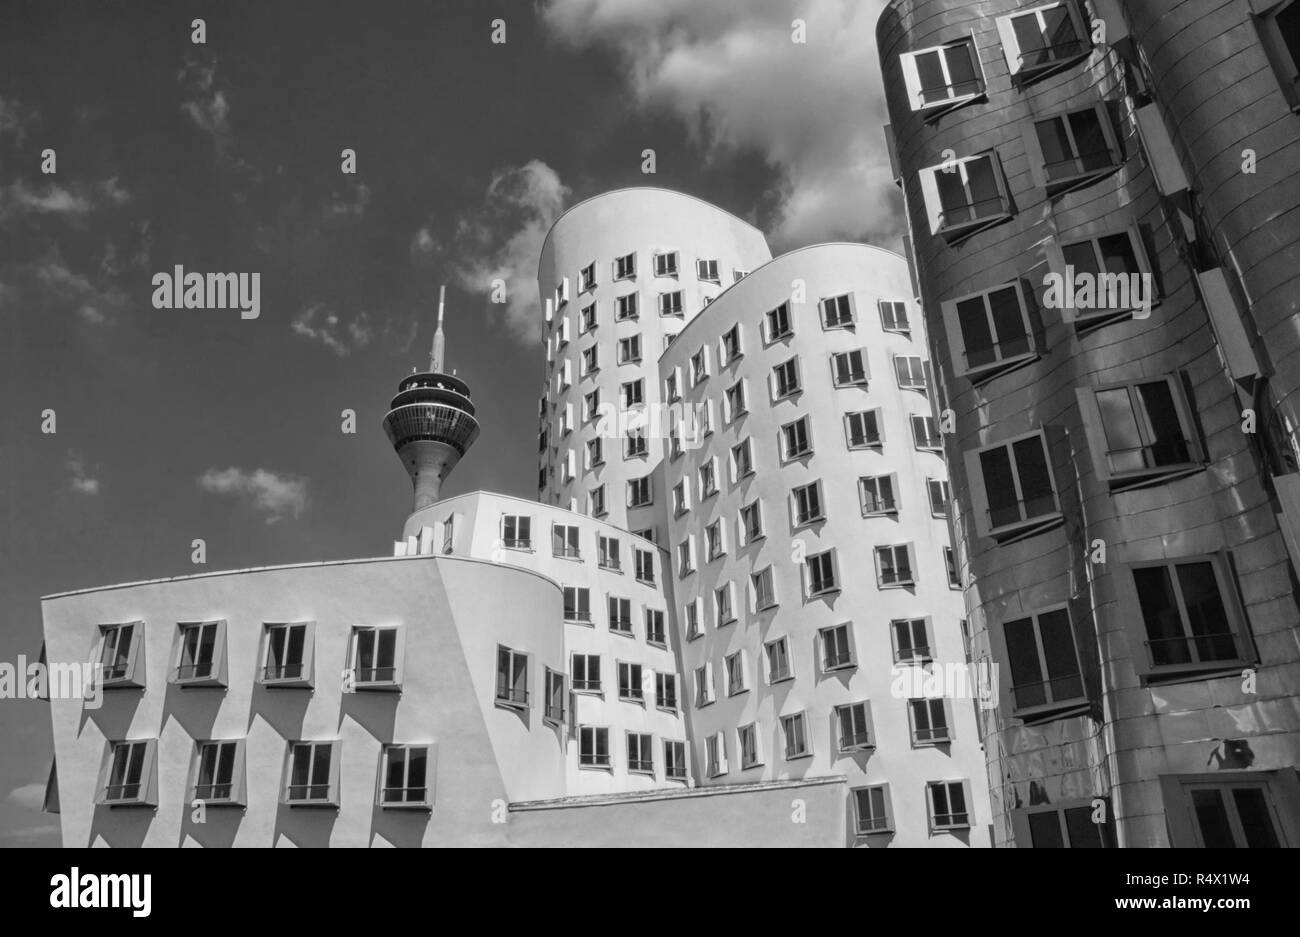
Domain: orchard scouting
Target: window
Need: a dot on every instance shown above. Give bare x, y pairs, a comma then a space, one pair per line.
374, 659
742, 463
863, 429
219, 772
707, 270
764, 590
587, 278
597, 496
736, 673
795, 729
778, 322
591, 410
798, 438
1114, 265
950, 561
516, 532
290, 651
671, 391
130, 777
629, 682
607, 552
666, 691
620, 614
666, 264
989, 332
940, 494
562, 292
589, 318
670, 304
1245, 811
313, 773
736, 401
837, 312
1279, 31
837, 647
629, 349
1191, 616
821, 575
512, 678
715, 754
785, 379
929, 721
1072, 149
1017, 494
778, 660
893, 316
577, 604
872, 809
751, 522
699, 366
1041, 40
406, 776
910, 372
894, 565
911, 640
645, 566
564, 541
586, 673
849, 368
747, 736
925, 433
942, 77
633, 393
1065, 827
966, 195
553, 711
590, 364
654, 627
625, 267
200, 658
1044, 663
119, 655
593, 747
855, 726
675, 760
704, 685
627, 307
681, 499
722, 605
640, 753
731, 348
639, 492
647, 534
692, 617
686, 556
876, 493
713, 540
1142, 432
808, 504
636, 444
948, 800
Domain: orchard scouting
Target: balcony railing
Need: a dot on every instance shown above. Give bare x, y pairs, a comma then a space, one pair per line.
1085, 164
894, 577
1054, 690
1021, 511
212, 791
511, 695
308, 792
1173, 451
960, 216
405, 795
1202, 648
932, 733
998, 351
854, 740
948, 92
197, 671
1049, 55
374, 674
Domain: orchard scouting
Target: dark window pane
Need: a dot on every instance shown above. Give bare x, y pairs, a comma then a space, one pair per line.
1206, 615
1035, 480
1212, 817
1169, 447
1084, 834
1160, 614
1009, 322
999, 485
1026, 673
1045, 830
1256, 823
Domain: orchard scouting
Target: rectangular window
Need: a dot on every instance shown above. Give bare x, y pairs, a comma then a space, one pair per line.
872, 809
374, 658
629, 349
593, 747
1191, 616
798, 438
639, 492
911, 640
1115, 264
564, 541
876, 493
313, 772
713, 540
627, 307
512, 678
219, 772
1065, 827
670, 304
778, 660
640, 753
707, 270
1044, 664
849, 368
633, 393
629, 682
778, 322
289, 653
131, 773
577, 604
620, 614
910, 372
636, 443
555, 697
1076, 148
948, 805
965, 195
666, 264
764, 590
893, 316
747, 736
785, 378
1246, 811
735, 673
837, 312
708, 478
808, 504
855, 726
751, 522
562, 292
597, 496
950, 561
655, 632
703, 685
686, 556
722, 605
586, 673
201, 653
587, 278
940, 493
1144, 429
736, 401
731, 348
517, 532
671, 391
795, 729
742, 463
589, 318
837, 647
944, 76
625, 267
119, 654
925, 433
929, 721
406, 776
666, 691
989, 332
863, 429
675, 760
1017, 491
894, 565
692, 619
681, 499
715, 754
1042, 40
821, 577
645, 566
607, 553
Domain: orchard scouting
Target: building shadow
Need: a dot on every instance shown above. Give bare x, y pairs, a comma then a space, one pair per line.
282, 708
304, 827
195, 708
218, 829
404, 829
121, 827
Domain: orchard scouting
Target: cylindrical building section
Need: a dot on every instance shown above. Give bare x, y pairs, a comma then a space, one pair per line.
809, 543
619, 275
1125, 561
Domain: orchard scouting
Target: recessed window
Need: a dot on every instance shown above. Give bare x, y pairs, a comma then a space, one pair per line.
629, 682
966, 195
807, 501
577, 604
715, 754
620, 614
894, 566
1279, 31
704, 685
629, 349
406, 776
1142, 431
876, 493
564, 541
625, 267
635, 444
707, 270
675, 760
989, 332
586, 673
713, 540
633, 393
607, 553
666, 264
910, 372
681, 499
692, 619
554, 698
911, 640
855, 726
708, 478
751, 522
778, 322
655, 632
837, 647
1075, 148
778, 660
872, 809
929, 721
289, 654
863, 429
645, 566
374, 658
736, 401
699, 367
1016, 494
950, 561
562, 292
943, 77
587, 278
627, 307
849, 368
795, 729
736, 673
747, 736
313, 773
516, 532
591, 406
512, 678
666, 691
1191, 617
639, 492
219, 772
671, 390
686, 556
764, 589
132, 774
670, 304
1112, 277
1065, 827
119, 654
837, 312
1039, 41
588, 318
948, 802
640, 753
593, 747
731, 348
1044, 664
821, 577
597, 495
722, 605
940, 494
200, 658
797, 438
893, 316
1244, 811
742, 461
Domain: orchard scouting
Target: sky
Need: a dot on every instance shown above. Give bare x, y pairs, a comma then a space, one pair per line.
225, 156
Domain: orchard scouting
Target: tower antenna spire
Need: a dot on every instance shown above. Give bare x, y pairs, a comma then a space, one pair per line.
439, 340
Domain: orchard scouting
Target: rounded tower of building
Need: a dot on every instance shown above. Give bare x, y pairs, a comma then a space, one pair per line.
431, 422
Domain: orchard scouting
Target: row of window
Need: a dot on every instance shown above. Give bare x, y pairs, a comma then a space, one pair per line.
577, 610
663, 263
636, 684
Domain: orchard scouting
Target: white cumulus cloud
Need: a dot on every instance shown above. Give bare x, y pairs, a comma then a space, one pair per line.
275, 496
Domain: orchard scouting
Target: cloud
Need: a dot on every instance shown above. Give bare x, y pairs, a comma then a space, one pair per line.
320, 324
32, 833
15, 118
339, 208
731, 72
503, 240
275, 496
81, 482
77, 200
52, 284
207, 106
29, 796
